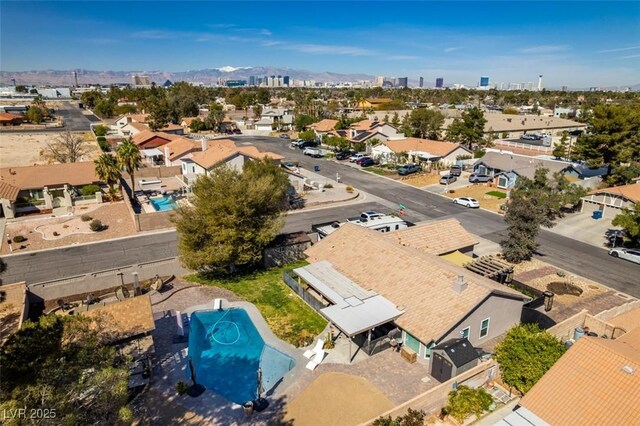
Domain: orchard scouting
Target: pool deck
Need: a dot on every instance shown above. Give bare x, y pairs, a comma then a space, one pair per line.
171, 367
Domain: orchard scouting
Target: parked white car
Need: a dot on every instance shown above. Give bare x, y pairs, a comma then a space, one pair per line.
356, 157
313, 152
467, 202
632, 255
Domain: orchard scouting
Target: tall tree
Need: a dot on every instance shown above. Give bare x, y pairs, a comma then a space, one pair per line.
159, 112
234, 215
129, 158
613, 138
216, 116
525, 354
560, 149
302, 121
66, 148
108, 169
629, 221
426, 123
535, 203
469, 129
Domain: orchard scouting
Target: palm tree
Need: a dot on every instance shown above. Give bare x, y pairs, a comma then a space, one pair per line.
130, 159
108, 169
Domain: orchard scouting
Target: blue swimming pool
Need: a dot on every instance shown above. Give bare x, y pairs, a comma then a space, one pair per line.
163, 203
227, 350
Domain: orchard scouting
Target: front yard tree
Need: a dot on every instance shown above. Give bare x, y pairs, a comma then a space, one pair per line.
560, 149
535, 203
159, 113
307, 135
216, 116
302, 121
469, 129
108, 170
336, 142
129, 158
629, 220
426, 123
525, 354
233, 216
465, 401
66, 148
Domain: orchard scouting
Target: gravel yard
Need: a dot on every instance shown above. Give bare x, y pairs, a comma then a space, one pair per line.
23, 149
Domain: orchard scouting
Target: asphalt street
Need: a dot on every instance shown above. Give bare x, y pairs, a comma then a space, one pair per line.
579, 258
74, 120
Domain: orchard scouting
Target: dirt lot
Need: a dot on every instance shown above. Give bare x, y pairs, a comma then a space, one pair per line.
422, 179
115, 216
479, 192
23, 149
337, 399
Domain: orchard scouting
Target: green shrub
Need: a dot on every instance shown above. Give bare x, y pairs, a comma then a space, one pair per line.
90, 189
103, 144
96, 225
18, 239
465, 401
349, 189
182, 387
100, 130
85, 218
327, 186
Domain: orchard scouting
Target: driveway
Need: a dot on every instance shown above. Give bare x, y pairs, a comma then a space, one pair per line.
582, 227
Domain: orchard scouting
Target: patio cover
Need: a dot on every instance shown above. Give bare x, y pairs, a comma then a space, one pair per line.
151, 152
354, 309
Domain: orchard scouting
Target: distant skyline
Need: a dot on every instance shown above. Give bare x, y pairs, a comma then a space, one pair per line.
576, 44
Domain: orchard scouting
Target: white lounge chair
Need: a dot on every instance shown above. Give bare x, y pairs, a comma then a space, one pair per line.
317, 359
217, 304
318, 347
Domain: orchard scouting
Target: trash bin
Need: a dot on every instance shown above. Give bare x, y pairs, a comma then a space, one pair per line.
597, 214
316, 168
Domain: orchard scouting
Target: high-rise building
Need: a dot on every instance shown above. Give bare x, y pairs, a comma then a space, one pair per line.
484, 81
403, 82
75, 78
564, 88
285, 81
379, 81
141, 80
421, 84
539, 82
439, 82
252, 80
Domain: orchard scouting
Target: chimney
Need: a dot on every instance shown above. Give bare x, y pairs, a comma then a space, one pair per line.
459, 284
203, 144
167, 153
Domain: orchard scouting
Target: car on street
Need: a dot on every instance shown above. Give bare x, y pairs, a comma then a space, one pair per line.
284, 136
632, 255
356, 157
408, 169
467, 202
366, 162
477, 178
237, 131
307, 144
361, 159
447, 179
342, 155
455, 170
312, 152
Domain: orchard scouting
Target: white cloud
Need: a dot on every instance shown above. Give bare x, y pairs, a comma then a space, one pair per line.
452, 49
403, 57
630, 56
326, 49
265, 32
546, 48
619, 49
155, 34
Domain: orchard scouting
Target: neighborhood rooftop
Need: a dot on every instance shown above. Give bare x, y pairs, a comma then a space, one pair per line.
434, 237
436, 148
521, 164
418, 282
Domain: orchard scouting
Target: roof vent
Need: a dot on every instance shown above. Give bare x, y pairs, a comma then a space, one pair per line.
629, 369
459, 284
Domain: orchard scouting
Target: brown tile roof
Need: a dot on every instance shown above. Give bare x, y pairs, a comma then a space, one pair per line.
630, 192
147, 135
139, 118
8, 191
419, 282
7, 117
188, 120
520, 123
39, 176
170, 127
434, 237
139, 126
325, 125
627, 321
12, 306
362, 125
436, 148
375, 101
220, 150
127, 318
181, 146
588, 386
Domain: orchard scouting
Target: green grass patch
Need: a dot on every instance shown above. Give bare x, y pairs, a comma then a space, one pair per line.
288, 316
498, 194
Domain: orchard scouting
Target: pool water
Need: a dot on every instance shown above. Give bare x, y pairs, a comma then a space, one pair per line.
163, 203
227, 350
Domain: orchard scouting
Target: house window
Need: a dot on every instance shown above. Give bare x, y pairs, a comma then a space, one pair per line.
484, 328
502, 182
465, 333
427, 351
412, 342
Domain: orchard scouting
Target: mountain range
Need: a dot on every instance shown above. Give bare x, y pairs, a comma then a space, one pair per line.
205, 76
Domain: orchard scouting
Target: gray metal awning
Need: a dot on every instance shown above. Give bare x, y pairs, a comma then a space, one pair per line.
151, 152
354, 309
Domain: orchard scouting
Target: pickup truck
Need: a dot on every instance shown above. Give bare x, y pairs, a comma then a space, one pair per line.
455, 170
313, 152
407, 169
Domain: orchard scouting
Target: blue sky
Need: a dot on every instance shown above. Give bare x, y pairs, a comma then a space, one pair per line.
577, 44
